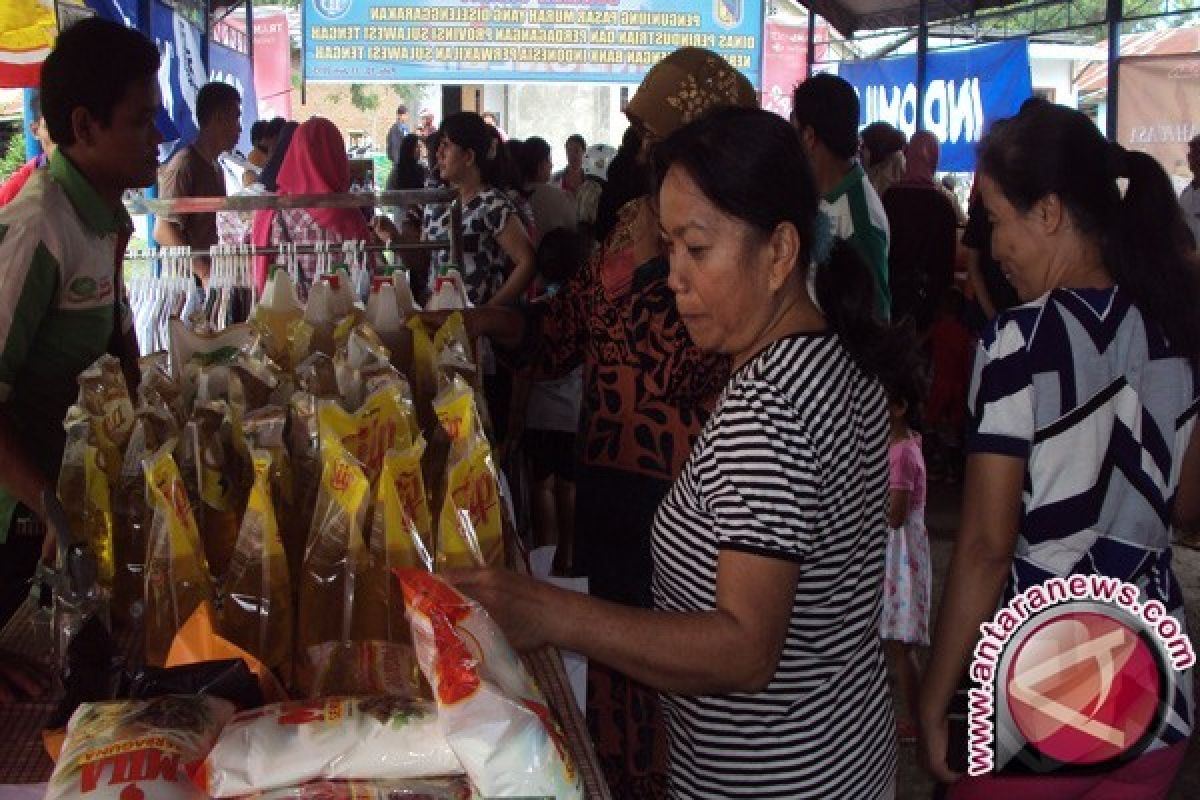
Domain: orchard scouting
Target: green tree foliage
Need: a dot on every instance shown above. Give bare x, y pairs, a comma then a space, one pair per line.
363, 97
14, 156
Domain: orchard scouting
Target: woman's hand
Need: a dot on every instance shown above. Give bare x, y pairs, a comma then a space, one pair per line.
933, 745
519, 605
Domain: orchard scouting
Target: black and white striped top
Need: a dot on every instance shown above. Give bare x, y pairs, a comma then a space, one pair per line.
792, 464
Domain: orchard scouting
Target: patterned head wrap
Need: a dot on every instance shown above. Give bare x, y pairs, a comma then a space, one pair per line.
685, 85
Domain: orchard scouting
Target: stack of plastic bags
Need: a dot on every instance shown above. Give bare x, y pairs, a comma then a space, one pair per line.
255, 499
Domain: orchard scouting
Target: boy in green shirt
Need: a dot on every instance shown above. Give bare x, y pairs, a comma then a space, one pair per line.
825, 112
62, 300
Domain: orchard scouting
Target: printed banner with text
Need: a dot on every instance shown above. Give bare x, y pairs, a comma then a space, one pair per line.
521, 40
967, 88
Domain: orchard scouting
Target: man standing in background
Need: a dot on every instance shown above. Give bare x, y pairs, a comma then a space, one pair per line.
571, 178
397, 133
195, 172
825, 112
1190, 199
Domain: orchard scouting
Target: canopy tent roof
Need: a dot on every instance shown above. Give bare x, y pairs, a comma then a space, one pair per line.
1170, 42
848, 16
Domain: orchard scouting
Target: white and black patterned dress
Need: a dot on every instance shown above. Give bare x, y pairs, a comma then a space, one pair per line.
1091, 394
793, 464
485, 264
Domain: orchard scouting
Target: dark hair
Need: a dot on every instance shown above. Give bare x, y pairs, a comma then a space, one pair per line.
1145, 242
401, 109
82, 71
828, 105
627, 179
533, 152
882, 140
906, 380
749, 163
214, 97
275, 127
468, 130
258, 132
577, 139
560, 254
408, 147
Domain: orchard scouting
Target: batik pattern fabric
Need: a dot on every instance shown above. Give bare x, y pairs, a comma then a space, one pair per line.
647, 388
1092, 396
485, 264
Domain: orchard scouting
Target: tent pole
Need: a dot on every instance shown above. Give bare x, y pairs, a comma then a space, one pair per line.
922, 57
812, 44
1113, 14
206, 27
250, 34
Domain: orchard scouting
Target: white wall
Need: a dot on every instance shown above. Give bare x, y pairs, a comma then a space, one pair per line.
1056, 76
554, 111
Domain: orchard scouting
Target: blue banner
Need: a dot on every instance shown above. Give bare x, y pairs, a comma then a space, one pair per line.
967, 88
365, 41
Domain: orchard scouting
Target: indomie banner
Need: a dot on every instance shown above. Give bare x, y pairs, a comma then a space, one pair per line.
966, 89
609, 41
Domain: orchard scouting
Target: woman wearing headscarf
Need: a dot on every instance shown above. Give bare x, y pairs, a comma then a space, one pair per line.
647, 393
924, 232
316, 163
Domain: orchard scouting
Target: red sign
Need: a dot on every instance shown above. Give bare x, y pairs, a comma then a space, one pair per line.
273, 66
785, 55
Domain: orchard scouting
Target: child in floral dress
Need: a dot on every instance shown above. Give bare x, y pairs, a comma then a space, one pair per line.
904, 624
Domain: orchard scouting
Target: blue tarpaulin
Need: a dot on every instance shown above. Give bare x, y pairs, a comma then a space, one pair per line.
967, 88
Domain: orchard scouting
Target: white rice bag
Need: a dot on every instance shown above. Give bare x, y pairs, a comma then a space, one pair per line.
492, 713
137, 748
343, 738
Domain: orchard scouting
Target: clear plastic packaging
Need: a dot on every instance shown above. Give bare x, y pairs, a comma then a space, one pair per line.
470, 530
400, 536
334, 558
418, 789
491, 712
346, 738
257, 611
137, 748
384, 421
177, 576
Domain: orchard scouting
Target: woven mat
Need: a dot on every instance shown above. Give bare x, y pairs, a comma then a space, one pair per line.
23, 759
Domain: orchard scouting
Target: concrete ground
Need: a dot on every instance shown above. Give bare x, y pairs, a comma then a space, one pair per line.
942, 520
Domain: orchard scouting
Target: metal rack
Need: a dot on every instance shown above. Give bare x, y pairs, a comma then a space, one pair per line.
273, 202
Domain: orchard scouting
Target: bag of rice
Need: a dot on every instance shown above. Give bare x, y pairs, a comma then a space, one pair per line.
137, 749
346, 738
419, 789
491, 712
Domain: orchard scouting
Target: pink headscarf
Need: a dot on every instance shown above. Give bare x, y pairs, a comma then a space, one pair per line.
315, 163
921, 158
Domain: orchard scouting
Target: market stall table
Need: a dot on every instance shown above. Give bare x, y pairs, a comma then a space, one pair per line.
23, 758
